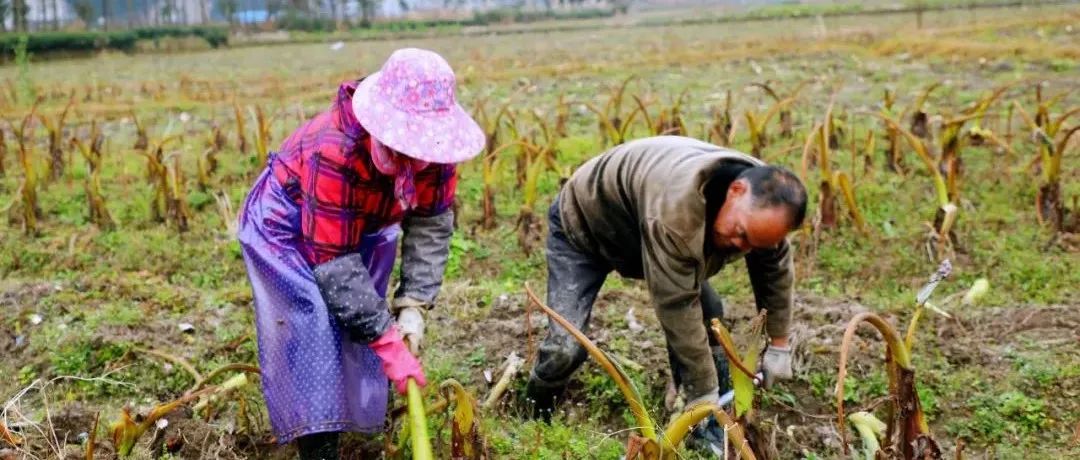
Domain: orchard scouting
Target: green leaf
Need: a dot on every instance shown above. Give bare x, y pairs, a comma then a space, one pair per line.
744, 385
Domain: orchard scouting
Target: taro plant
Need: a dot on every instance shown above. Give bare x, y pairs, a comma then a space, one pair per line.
54, 126
127, 430
756, 124
920, 120
3, 151
92, 153
466, 440
940, 239
832, 182
611, 121
142, 140
722, 126
787, 121
669, 122
528, 224
1049, 205
493, 126
893, 155
29, 208
262, 135
906, 427
651, 444
241, 130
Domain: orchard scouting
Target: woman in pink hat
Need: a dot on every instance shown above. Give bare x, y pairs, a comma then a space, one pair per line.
319, 234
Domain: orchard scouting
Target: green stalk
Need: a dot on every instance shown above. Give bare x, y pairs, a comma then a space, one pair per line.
421, 444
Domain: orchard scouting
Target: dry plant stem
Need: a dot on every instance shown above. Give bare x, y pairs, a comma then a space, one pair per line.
628, 391
221, 370
8, 436
173, 359
91, 441
513, 365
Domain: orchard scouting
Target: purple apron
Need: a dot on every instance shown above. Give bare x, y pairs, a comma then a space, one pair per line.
314, 378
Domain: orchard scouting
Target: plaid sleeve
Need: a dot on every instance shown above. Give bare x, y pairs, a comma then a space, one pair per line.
435, 188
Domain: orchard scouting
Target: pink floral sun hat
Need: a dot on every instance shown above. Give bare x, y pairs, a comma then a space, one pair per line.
410, 106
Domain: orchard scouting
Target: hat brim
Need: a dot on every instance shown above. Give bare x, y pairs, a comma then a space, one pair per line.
447, 136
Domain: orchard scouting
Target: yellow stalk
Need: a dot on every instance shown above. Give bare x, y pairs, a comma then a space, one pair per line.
626, 386
676, 431
421, 443
843, 182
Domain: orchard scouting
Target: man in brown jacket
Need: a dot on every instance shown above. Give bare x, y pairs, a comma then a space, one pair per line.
672, 211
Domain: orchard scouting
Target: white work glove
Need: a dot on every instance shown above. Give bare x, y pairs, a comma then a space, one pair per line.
776, 364
410, 322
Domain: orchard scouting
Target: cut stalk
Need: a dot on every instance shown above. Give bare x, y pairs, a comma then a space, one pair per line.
421, 443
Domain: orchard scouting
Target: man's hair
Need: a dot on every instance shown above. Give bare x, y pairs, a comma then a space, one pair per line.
772, 186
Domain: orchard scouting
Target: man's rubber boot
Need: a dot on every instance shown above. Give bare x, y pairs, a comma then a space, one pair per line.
540, 399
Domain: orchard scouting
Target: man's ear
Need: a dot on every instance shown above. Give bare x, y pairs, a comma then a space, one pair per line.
738, 188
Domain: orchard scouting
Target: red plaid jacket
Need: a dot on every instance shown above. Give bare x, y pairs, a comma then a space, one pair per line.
326, 168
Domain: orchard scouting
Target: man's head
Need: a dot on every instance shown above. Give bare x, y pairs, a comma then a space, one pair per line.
763, 204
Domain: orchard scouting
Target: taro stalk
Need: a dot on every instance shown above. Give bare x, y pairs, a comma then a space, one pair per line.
907, 419
528, 225
207, 163
126, 430
178, 209
610, 121
55, 128
158, 176
786, 119
30, 210
669, 122
490, 161
650, 445
99, 213
742, 382
831, 182
871, 430
906, 414
562, 116
920, 121
3, 151
1049, 206
892, 154
947, 211
757, 123
262, 135
722, 130
953, 139
142, 141
466, 443
613, 129
421, 443
241, 130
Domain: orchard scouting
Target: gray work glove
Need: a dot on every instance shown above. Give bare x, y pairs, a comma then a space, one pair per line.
776, 364
410, 321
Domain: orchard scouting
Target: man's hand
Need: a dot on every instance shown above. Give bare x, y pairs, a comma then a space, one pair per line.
410, 320
777, 362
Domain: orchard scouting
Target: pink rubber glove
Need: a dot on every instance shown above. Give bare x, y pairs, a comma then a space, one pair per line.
398, 364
